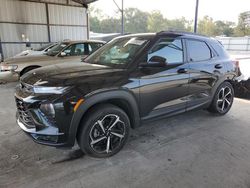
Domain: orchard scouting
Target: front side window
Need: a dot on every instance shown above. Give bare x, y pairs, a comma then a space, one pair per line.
198, 50
170, 49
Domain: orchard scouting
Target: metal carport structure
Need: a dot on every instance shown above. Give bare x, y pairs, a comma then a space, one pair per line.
37, 22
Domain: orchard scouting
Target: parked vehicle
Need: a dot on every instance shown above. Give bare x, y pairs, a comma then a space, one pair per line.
131, 79
242, 85
69, 51
37, 51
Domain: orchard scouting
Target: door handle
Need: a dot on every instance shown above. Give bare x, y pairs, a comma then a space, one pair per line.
182, 71
218, 66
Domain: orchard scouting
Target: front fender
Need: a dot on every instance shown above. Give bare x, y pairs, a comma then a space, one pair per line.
98, 98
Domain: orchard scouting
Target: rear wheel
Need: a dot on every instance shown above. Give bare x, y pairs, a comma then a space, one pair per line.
223, 99
104, 131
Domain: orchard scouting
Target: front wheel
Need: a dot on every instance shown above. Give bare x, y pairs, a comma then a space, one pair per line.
104, 131
223, 99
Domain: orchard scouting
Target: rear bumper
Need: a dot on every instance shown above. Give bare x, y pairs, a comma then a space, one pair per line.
8, 76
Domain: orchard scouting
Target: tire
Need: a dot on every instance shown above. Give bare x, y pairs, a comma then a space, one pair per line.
223, 99
104, 131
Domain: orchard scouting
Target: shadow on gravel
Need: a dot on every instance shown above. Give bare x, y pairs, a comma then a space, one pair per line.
72, 155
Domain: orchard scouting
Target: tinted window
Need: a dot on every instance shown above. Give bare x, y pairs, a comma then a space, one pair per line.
169, 48
198, 51
218, 47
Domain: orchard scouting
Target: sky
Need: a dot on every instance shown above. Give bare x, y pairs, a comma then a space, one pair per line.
226, 10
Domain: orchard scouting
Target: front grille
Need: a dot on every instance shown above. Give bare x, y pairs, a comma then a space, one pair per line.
24, 114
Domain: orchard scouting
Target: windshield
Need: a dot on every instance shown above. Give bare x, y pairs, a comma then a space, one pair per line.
43, 47
119, 52
56, 49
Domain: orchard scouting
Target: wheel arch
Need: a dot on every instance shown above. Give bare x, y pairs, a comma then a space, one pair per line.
122, 99
31, 67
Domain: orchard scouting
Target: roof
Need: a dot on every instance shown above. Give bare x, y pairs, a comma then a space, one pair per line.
138, 35
169, 33
184, 33
82, 41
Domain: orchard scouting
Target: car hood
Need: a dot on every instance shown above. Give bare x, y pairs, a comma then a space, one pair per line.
72, 74
25, 59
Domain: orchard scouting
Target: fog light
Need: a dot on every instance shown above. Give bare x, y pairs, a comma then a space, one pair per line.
48, 109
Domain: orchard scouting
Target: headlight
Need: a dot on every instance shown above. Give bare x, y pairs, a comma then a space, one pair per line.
8, 67
49, 90
48, 109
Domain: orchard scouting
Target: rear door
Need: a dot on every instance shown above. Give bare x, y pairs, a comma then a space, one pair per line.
204, 72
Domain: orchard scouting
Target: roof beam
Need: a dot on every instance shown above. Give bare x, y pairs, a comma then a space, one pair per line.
84, 2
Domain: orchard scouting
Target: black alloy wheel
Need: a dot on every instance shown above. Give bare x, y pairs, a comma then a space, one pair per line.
223, 99
104, 131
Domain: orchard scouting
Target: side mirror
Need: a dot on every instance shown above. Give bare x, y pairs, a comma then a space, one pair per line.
155, 61
63, 54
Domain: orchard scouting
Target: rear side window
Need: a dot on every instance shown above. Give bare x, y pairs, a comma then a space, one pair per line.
198, 50
219, 48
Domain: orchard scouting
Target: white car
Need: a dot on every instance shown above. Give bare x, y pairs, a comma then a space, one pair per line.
38, 51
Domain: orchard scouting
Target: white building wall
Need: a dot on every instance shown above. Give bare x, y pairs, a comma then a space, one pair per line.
22, 21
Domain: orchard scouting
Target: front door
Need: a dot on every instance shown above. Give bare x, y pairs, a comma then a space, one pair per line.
163, 89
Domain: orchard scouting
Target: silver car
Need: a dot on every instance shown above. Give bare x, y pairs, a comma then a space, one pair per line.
69, 51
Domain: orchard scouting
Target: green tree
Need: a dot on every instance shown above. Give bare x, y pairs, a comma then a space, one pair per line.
243, 28
95, 16
110, 25
224, 28
180, 24
156, 22
207, 26
135, 20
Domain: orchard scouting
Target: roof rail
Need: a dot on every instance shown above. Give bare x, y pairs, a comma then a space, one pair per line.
181, 32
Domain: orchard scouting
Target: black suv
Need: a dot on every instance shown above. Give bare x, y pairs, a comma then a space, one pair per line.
131, 79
